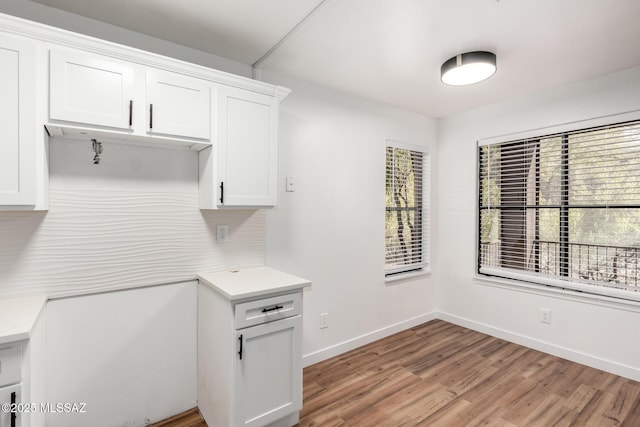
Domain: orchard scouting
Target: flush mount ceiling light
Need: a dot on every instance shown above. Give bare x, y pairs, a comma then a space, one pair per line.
468, 68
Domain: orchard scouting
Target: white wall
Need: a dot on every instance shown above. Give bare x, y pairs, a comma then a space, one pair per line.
586, 330
331, 229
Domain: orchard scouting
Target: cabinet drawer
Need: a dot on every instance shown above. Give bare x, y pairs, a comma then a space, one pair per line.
267, 310
10, 364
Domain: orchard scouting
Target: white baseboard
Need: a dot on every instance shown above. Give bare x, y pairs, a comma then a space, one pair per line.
555, 350
343, 347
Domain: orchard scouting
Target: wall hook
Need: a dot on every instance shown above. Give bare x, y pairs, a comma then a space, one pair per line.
97, 149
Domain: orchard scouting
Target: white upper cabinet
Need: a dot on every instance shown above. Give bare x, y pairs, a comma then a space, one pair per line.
18, 179
242, 172
91, 89
178, 105
83, 88
95, 90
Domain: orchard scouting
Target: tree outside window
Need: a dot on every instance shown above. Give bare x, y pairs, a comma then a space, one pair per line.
405, 210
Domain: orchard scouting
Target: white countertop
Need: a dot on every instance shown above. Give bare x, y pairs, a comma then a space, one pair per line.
252, 282
18, 316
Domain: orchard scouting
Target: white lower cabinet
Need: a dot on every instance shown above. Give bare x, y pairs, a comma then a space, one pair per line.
10, 395
10, 384
249, 359
22, 361
268, 374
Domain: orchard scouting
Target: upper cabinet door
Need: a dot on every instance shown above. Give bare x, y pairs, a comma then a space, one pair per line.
247, 157
17, 121
178, 105
91, 89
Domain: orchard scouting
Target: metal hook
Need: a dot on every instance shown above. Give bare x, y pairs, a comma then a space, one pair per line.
97, 149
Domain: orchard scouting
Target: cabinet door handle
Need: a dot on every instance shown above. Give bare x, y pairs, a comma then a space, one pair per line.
221, 192
130, 112
13, 409
277, 307
240, 351
150, 116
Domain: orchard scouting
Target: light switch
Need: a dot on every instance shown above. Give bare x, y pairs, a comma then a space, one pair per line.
222, 233
289, 184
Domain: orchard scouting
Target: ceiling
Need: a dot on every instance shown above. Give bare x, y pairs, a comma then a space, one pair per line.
391, 50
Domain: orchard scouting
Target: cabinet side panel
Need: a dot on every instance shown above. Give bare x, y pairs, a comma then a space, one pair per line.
129, 355
34, 373
215, 357
207, 179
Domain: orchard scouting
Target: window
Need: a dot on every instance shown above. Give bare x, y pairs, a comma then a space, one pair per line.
406, 209
563, 209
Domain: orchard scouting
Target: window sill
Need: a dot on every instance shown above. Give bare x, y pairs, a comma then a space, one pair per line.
555, 292
403, 277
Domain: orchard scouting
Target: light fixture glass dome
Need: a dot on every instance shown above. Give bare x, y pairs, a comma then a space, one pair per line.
468, 68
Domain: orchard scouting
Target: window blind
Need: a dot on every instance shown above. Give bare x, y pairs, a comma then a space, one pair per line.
563, 209
406, 215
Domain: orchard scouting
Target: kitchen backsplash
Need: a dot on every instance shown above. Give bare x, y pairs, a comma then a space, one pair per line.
131, 221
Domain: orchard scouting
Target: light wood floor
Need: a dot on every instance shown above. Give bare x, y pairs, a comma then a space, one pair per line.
439, 374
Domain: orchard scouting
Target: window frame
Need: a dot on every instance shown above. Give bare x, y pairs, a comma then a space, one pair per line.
424, 267
513, 278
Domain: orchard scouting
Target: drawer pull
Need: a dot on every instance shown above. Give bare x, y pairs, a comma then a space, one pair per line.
277, 307
13, 412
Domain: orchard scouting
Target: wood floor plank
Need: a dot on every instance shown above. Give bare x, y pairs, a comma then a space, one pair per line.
492, 416
624, 400
408, 396
593, 413
377, 392
190, 418
550, 412
632, 419
580, 398
442, 375
450, 416
477, 411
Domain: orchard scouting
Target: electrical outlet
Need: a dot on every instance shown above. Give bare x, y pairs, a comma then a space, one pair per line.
545, 315
323, 320
289, 184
